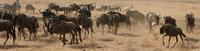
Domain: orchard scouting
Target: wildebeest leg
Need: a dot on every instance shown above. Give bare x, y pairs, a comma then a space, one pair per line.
103, 29
163, 39
64, 43
92, 31
87, 32
80, 35
76, 37
187, 29
30, 31
176, 41
150, 29
169, 41
181, 37
73, 36
116, 28
19, 33
7, 37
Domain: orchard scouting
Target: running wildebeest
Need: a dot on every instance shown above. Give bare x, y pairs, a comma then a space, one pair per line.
190, 23
29, 7
103, 20
170, 31
123, 18
22, 21
170, 20
63, 27
153, 20
47, 15
136, 15
86, 23
7, 25
12, 7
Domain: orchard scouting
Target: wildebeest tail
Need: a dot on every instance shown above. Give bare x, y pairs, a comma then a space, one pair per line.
37, 25
184, 35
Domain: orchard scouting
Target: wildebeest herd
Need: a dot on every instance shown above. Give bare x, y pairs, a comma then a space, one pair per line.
62, 24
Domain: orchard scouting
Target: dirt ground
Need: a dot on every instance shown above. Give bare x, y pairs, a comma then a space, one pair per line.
136, 39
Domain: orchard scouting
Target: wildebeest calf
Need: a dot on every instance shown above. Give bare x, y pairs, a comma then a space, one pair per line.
170, 31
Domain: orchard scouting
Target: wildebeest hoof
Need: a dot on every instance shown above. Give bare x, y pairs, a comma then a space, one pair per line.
64, 44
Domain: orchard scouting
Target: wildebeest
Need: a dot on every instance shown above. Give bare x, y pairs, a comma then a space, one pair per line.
85, 12
47, 15
86, 23
12, 7
57, 8
103, 20
128, 8
123, 18
152, 17
72, 7
63, 27
29, 7
7, 25
170, 20
22, 21
136, 15
170, 31
190, 23
114, 22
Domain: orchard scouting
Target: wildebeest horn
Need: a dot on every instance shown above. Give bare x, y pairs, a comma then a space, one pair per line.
40, 11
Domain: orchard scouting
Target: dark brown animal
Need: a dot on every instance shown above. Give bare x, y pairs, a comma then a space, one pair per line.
123, 18
62, 28
21, 21
114, 21
136, 15
170, 31
103, 20
47, 16
170, 20
72, 19
6, 25
190, 23
86, 23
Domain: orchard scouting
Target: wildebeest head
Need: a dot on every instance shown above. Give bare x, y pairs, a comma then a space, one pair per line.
7, 16
165, 28
47, 13
166, 18
158, 19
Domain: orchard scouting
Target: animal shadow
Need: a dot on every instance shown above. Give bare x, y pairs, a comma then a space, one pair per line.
86, 46
127, 34
107, 39
15, 46
192, 39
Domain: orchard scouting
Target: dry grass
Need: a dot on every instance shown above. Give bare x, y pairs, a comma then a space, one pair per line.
136, 39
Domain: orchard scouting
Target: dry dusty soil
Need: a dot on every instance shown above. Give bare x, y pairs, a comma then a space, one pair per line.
136, 39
